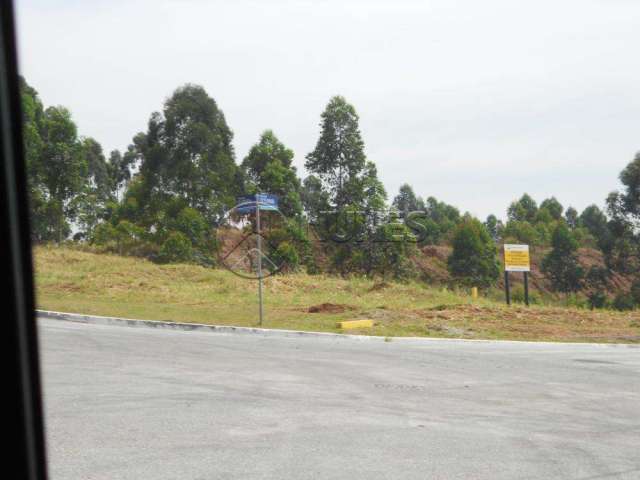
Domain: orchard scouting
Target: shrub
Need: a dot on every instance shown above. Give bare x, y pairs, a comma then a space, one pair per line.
389, 252
473, 260
176, 248
192, 224
517, 295
576, 301
597, 299
125, 238
286, 256
635, 291
104, 234
623, 301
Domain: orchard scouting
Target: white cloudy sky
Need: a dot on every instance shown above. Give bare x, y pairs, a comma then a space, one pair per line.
471, 101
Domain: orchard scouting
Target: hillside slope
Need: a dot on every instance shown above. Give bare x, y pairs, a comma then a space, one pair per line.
431, 263
78, 281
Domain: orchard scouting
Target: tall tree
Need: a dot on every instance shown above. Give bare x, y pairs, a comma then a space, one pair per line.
561, 265
597, 281
473, 259
571, 217
553, 206
375, 234
493, 226
338, 158
187, 177
268, 149
119, 169
32, 117
314, 198
349, 185
97, 168
523, 210
374, 193
622, 253
596, 223
444, 216
186, 158
91, 203
406, 201
630, 178
64, 169
268, 169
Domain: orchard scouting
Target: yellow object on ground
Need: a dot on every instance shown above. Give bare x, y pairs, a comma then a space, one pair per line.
355, 324
474, 292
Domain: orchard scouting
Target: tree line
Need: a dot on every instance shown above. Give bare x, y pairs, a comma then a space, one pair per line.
165, 195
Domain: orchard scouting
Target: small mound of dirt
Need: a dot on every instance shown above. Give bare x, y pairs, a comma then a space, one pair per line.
329, 308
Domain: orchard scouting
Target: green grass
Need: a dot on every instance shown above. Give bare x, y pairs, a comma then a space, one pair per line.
71, 280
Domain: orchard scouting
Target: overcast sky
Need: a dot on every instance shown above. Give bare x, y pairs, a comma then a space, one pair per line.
473, 102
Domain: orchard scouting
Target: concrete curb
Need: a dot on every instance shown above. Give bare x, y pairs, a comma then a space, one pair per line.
168, 325
272, 332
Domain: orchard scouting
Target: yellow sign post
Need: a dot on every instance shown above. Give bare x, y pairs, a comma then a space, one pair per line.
516, 259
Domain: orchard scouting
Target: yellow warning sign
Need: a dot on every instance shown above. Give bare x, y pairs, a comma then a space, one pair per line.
516, 258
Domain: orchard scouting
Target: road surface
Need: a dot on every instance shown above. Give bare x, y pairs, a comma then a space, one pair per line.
137, 403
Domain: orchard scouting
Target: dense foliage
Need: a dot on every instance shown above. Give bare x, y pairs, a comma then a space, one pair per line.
165, 195
561, 264
473, 260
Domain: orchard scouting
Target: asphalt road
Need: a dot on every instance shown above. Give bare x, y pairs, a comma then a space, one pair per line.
136, 403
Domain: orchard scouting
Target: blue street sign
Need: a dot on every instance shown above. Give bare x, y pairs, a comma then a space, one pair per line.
264, 201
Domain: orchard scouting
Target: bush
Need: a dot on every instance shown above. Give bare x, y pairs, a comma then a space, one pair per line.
517, 295
623, 301
104, 234
576, 301
635, 291
390, 251
597, 299
289, 245
176, 248
125, 238
286, 255
473, 259
193, 225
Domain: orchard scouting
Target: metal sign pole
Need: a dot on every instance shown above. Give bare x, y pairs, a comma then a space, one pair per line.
506, 287
526, 288
259, 259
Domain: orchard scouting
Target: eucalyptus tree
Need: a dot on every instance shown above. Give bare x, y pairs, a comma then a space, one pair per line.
473, 259
186, 161
338, 158
63, 173
561, 265
407, 201
268, 168
343, 178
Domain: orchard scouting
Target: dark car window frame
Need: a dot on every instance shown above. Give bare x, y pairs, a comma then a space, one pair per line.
23, 425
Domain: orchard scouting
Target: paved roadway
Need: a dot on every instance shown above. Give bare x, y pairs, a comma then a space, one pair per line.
137, 403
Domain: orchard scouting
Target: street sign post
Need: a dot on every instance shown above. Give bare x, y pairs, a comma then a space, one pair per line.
516, 259
240, 257
253, 204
